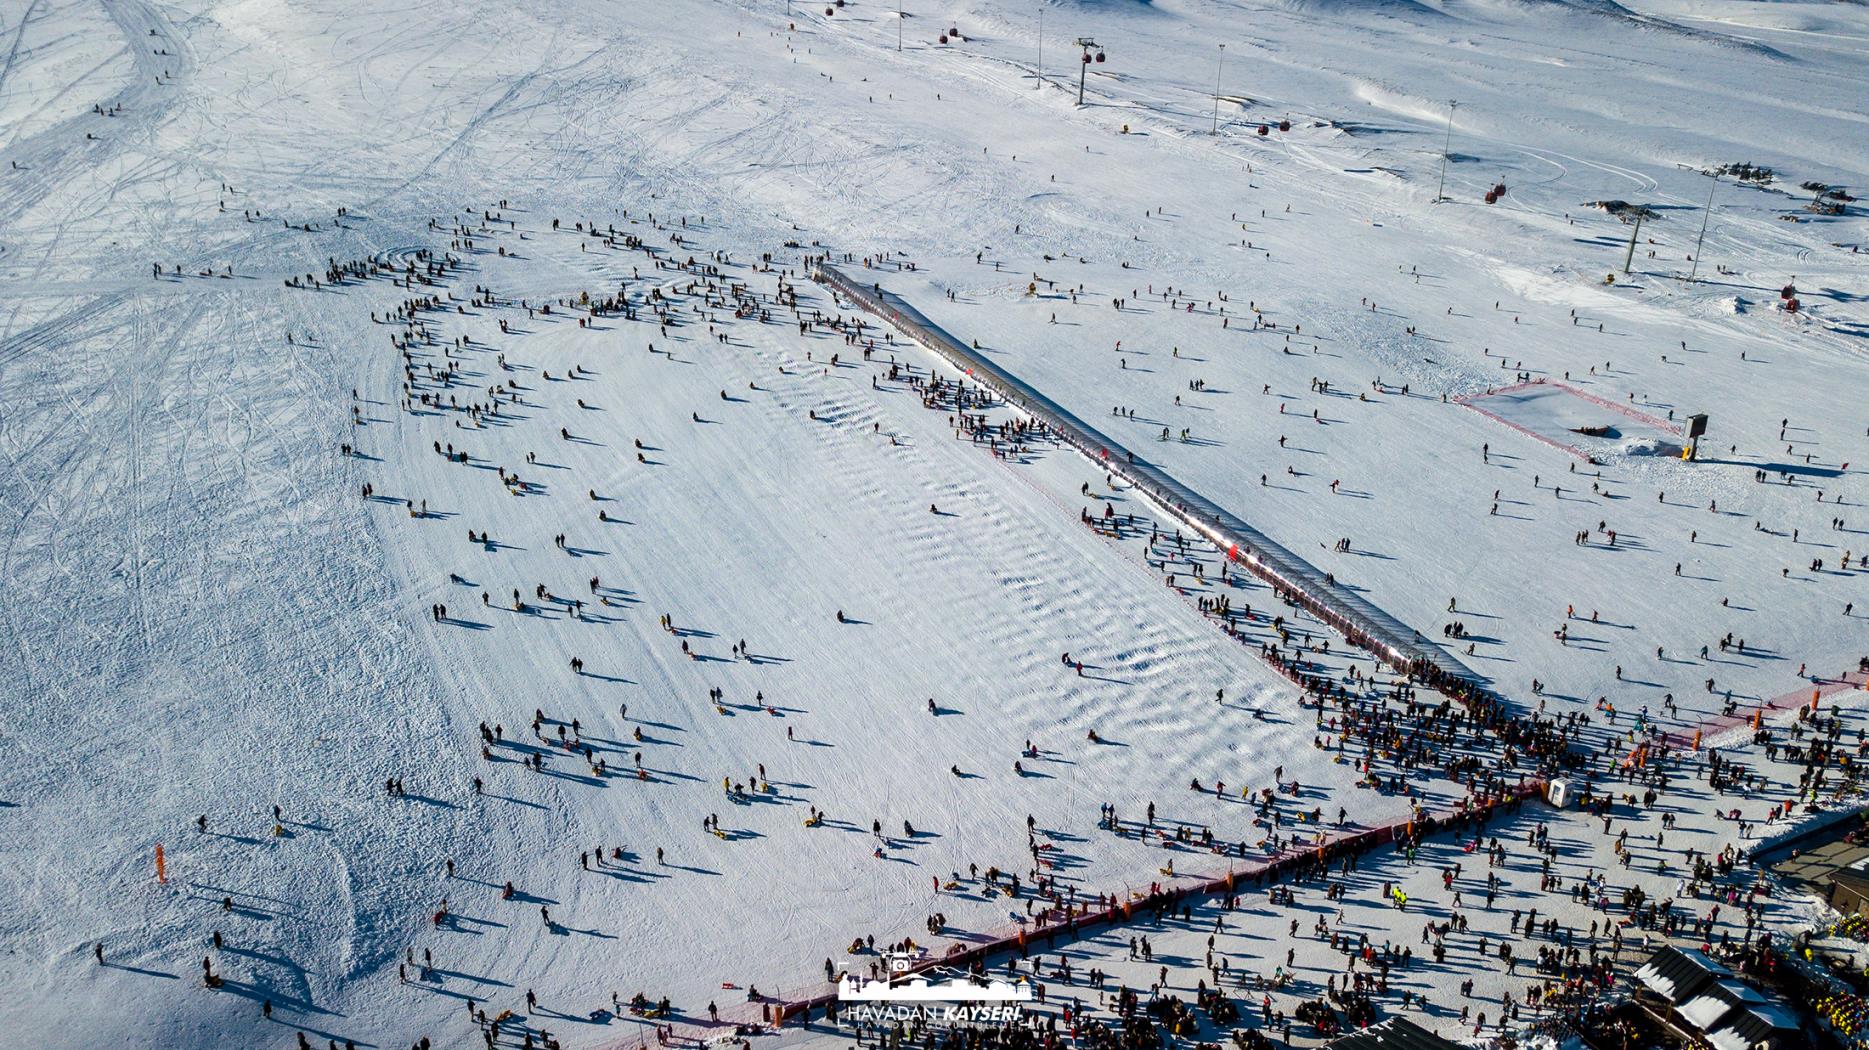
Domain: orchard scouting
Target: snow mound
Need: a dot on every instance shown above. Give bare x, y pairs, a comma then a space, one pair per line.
1338, 8
1649, 446
1613, 10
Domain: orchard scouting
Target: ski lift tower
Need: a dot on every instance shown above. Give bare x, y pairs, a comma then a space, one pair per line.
1088, 45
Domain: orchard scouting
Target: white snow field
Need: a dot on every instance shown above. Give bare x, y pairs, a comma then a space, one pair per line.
207, 617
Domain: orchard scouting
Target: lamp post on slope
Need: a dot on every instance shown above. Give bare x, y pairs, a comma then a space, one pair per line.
1038, 71
1439, 196
1704, 213
1218, 66
1629, 259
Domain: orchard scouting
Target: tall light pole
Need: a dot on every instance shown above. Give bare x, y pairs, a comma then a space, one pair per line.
1218, 66
1445, 146
1038, 71
1083, 67
1704, 212
898, 25
1640, 211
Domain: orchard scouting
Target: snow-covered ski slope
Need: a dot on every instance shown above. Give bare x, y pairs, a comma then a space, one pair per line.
203, 617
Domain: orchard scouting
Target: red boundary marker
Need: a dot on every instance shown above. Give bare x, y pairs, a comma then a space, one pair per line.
1800, 697
1528, 432
1470, 401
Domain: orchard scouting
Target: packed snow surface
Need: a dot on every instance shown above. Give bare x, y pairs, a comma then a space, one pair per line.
234, 501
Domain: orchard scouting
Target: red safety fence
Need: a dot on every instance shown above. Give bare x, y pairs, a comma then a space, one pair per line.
1053, 924
1572, 450
796, 1006
1602, 402
1801, 697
